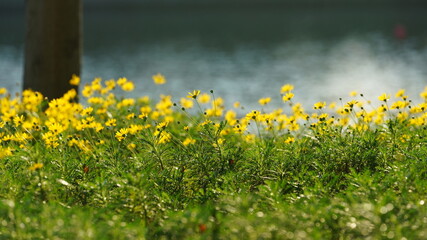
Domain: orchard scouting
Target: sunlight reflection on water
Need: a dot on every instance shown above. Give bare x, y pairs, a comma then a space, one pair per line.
320, 72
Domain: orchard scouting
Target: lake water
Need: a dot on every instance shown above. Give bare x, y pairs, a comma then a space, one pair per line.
245, 54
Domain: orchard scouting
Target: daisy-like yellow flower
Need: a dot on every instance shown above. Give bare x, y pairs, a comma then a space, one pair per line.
111, 84
128, 86
135, 128
290, 140
249, 138
159, 79
5, 152
122, 81
384, 97
56, 128
193, 94
351, 104
130, 116
286, 88
75, 80
219, 142
252, 115
186, 103
264, 101
423, 94
204, 98
319, 105
87, 91
400, 93
111, 122
399, 105
230, 116
287, 97
145, 109
95, 100
188, 141
3, 90
131, 146
18, 120
164, 137
121, 134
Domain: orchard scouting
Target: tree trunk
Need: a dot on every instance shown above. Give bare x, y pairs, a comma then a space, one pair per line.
53, 45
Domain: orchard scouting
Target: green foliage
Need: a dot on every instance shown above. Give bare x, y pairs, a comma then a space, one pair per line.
200, 177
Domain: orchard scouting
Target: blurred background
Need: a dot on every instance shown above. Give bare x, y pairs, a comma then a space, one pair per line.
243, 49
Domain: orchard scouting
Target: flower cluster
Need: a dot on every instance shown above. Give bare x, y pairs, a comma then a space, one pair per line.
63, 124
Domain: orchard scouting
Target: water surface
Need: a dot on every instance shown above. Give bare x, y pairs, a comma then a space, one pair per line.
246, 54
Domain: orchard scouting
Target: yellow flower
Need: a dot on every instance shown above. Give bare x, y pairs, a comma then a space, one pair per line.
399, 105
193, 94
239, 128
87, 91
164, 137
219, 142
5, 152
121, 134
353, 94
290, 140
230, 116
111, 122
188, 141
96, 84
252, 115
214, 112
86, 111
36, 166
56, 128
319, 105
126, 102
135, 128
185, 103
75, 80
236, 104
131, 146
206, 122
249, 138
128, 86
121, 81
384, 97
162, 125
218, 103
18, 120
424, 94
145, 110
159, 79
204, 98
288, 96
144, 100
286, 88
402, 116
264, 101
400, 93
111, 84
350, 104
3, 90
